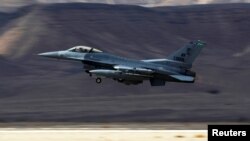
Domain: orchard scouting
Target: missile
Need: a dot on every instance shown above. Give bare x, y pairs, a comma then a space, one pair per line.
136, 70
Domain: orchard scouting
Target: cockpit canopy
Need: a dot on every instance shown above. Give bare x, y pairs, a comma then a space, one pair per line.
84, 49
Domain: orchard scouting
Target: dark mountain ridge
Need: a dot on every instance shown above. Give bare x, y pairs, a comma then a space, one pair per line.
39, 89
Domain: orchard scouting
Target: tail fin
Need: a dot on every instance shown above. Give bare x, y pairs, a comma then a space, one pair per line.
188, 53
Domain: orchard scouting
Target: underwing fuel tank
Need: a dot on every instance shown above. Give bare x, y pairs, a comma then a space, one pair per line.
107, 73
118, 74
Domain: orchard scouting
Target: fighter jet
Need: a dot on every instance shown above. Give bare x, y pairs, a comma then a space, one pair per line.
174, 68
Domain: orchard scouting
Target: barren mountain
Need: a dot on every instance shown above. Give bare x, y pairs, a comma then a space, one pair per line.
33, 88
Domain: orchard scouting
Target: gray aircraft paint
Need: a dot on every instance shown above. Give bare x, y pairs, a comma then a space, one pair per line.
175, 68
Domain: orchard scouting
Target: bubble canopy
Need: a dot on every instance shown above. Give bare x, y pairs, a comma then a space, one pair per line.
84, 49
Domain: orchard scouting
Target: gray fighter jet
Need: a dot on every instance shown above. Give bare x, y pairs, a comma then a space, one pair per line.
174, 68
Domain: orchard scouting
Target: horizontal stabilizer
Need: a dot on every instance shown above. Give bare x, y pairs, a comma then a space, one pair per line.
183, 78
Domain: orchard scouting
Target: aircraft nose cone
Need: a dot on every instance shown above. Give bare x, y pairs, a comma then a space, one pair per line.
49, 54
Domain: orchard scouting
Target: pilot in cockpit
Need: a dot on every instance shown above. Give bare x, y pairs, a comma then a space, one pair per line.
84, 49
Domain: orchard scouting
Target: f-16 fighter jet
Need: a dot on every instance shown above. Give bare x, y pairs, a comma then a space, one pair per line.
174, 68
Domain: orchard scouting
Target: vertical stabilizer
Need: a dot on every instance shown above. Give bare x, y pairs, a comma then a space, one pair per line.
188, 53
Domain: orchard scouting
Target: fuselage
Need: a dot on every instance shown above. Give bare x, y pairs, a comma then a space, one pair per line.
107, 61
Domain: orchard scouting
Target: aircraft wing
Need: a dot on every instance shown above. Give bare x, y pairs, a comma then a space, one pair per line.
149, 73
168, 62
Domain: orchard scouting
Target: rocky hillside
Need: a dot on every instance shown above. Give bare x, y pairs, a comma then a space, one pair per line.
40, 89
